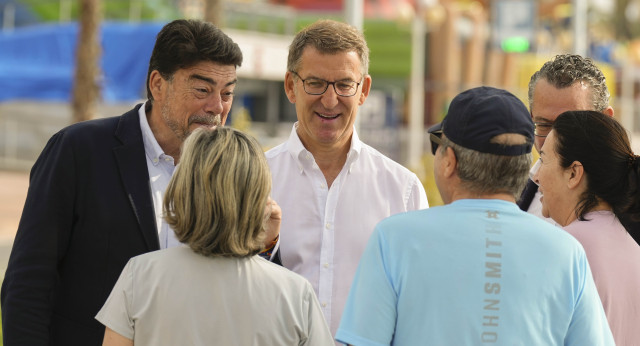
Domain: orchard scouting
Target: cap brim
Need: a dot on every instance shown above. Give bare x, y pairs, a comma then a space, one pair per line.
437, 128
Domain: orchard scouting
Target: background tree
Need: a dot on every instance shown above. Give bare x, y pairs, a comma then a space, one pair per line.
213, 12
86, 90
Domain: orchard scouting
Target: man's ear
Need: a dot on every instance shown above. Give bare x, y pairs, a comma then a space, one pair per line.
289, 87
575, 175
366, 87
156, 84
449, 162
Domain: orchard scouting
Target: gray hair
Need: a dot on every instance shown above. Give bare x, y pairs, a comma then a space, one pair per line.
566, 69
483, 173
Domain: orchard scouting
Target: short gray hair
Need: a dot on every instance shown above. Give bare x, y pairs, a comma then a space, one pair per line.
483, 173
329, 37
566, 69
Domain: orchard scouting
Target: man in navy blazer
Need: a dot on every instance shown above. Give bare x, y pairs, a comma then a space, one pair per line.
565, 83
95, 190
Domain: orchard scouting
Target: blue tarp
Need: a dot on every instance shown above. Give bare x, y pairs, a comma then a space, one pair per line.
37, 62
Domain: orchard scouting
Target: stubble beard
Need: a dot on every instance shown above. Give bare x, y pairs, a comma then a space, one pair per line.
182, 132
173, 125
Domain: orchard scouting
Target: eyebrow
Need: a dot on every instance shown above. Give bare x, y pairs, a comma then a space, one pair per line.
538, 119
211, 81
347, 79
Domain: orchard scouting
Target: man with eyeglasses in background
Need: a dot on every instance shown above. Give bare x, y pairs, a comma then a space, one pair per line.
332, 187
565, 83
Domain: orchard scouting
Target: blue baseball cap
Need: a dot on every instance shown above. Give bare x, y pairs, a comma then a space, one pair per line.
477, 115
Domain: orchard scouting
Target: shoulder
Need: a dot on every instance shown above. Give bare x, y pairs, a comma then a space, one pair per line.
601, 233
162, 262
91, 127
396, 228
371, 156
280, 276
96, 129
276, 151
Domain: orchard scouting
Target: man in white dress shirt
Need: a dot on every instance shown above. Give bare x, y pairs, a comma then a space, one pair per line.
332, 188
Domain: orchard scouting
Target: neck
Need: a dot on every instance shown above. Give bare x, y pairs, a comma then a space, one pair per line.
601, 206
330, 158
470, 195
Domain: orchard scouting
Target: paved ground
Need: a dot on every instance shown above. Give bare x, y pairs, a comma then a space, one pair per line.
13, 191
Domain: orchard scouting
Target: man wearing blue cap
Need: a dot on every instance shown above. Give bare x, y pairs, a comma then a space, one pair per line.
477, 270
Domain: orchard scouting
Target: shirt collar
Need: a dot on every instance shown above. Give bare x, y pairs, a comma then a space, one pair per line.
534, 169
304, 156
151, 147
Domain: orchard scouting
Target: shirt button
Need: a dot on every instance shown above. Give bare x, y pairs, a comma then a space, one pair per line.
326, 265
327, 225
324, 305
155, 160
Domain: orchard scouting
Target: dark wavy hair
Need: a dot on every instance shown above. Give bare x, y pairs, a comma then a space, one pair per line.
186, 42
602, 146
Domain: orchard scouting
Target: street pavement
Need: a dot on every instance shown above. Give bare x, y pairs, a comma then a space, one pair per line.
13, 191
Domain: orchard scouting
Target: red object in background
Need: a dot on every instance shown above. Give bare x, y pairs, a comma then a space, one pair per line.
372, 8
324, 5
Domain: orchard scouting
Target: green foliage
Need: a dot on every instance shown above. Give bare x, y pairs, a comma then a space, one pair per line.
49, 11
389, 41
390, 45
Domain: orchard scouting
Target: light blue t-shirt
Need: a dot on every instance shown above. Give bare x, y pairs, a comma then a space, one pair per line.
473, 272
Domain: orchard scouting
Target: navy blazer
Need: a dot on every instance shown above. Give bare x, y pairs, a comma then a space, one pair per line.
527, 195
88, 211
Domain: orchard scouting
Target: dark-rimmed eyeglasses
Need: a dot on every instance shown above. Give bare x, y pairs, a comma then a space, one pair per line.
317, 86
436, 140
542, 129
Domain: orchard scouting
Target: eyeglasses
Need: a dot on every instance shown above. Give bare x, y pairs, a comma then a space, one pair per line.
542, 129
436, 140
317, 86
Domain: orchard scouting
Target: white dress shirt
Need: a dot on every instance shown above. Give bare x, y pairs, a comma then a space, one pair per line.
324, 231
535, 207
161, 167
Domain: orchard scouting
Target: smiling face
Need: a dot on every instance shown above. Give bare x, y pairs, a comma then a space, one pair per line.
549, 102
198, 96
558, 199
326, 120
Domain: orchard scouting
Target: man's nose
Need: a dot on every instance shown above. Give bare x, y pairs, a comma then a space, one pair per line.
330, 97
214, 104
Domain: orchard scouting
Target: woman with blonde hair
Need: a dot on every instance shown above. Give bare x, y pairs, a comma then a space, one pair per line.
215, 290
589, 177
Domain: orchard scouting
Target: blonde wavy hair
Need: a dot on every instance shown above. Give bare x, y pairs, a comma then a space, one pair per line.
216, 199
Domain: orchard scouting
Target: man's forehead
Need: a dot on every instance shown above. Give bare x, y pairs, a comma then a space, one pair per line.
318, 63
209, 68
550, 101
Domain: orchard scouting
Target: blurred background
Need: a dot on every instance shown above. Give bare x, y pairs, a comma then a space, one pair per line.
63, 61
